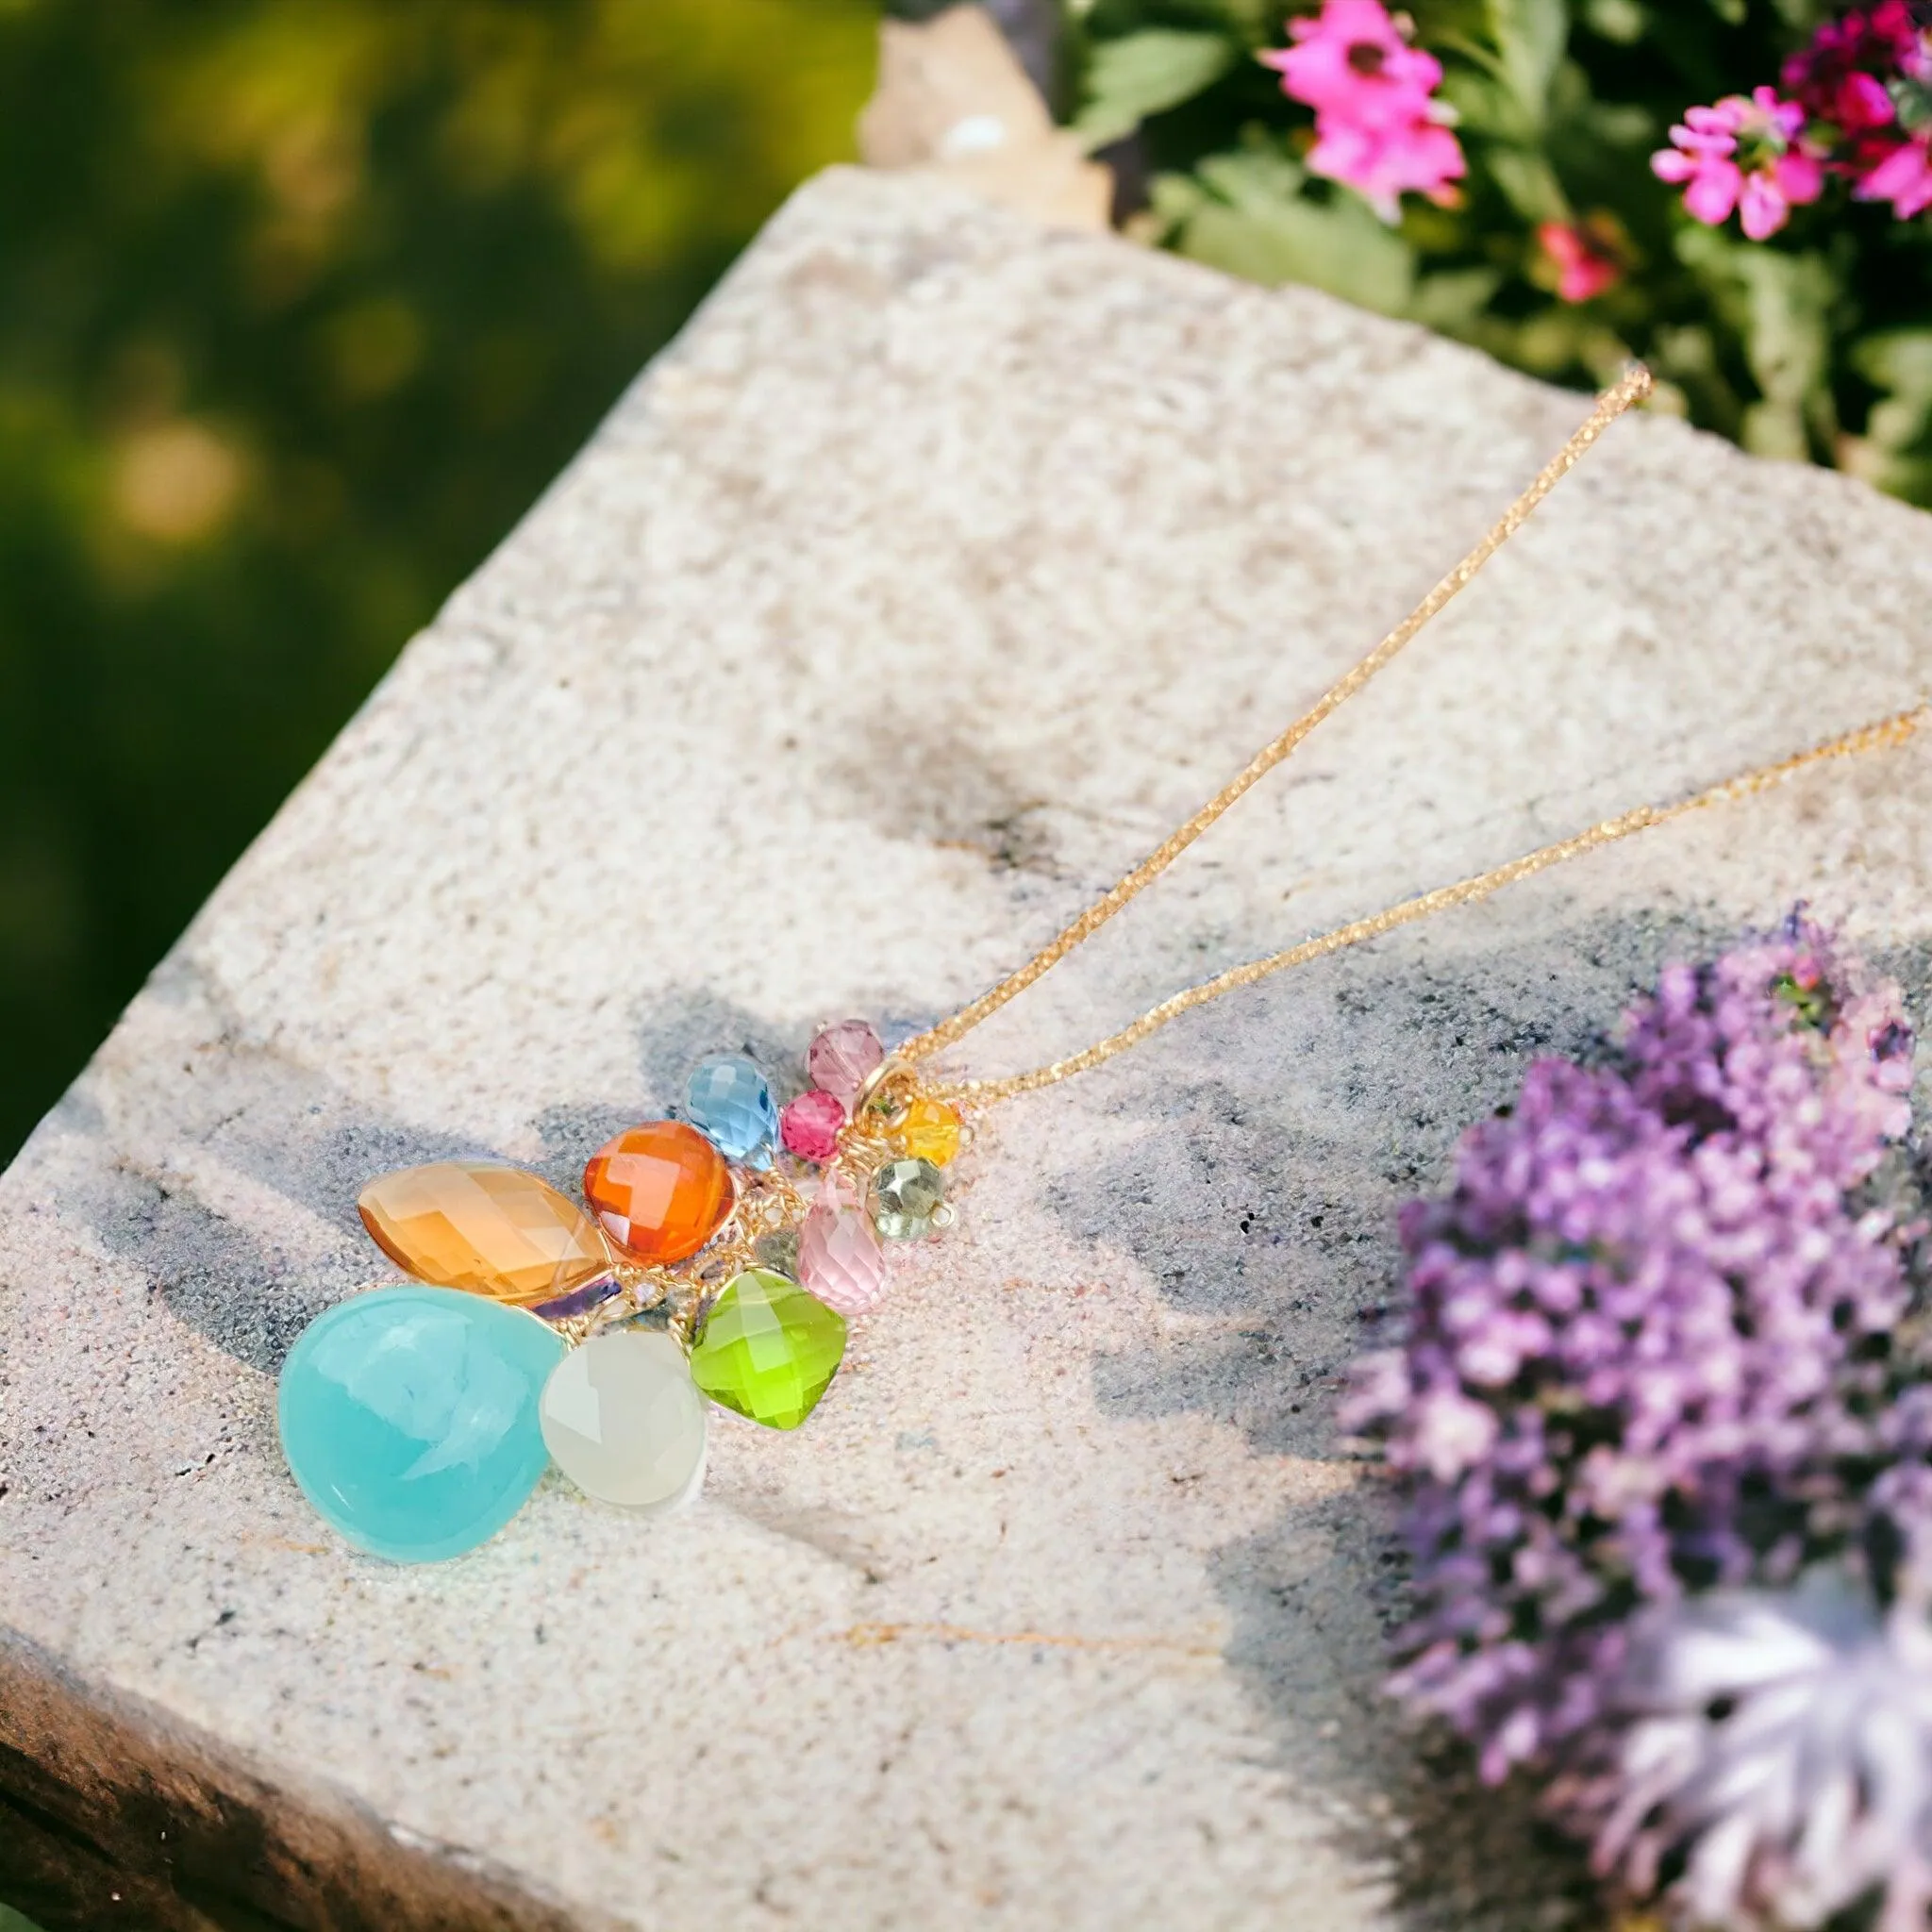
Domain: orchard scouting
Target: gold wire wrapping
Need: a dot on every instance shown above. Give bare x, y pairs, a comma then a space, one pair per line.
768, 1203
1632, 390
1888, 732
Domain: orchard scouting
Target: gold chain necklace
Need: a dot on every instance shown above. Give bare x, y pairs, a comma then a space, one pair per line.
723, 1254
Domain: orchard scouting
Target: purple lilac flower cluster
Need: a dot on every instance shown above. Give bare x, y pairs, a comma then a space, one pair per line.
1654, 1345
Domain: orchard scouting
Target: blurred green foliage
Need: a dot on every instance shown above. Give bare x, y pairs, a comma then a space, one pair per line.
301, 303
1815, 344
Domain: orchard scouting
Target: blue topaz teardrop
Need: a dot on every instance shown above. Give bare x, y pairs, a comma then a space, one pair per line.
730, 1100
411, 1417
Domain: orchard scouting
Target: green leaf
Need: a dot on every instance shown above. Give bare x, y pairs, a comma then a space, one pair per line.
1452, 299
1525, 178
1781, 305
1145, 73
1900, 363
1252, 19
1531, 36
1482, 101
1258, 176
1622, 123
1254, 226
1899, 359
1623, 21
1173, 201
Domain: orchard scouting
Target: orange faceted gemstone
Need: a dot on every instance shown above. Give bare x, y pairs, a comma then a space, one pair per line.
495, 1231
662, 1190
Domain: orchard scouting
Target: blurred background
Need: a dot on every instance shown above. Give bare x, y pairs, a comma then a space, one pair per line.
301, 303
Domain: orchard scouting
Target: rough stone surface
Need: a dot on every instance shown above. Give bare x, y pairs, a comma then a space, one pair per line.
938, 569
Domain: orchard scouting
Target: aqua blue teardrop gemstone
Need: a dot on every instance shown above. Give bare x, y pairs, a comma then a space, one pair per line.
409, 1417
729, 1101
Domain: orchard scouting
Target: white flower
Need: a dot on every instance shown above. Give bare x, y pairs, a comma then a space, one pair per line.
1452, 1432
1779, 1745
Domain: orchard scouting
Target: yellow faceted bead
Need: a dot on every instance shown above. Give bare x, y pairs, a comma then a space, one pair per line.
930, 1131
494, 1231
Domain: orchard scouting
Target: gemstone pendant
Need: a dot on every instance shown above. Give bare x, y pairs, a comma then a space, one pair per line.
491, 1230
418, 1420
410, 1418
661, 1190
730, 1100
843, 1057
930, 1130
839, 1260
769, 1350
624, 1422
811, 1126
910, 1200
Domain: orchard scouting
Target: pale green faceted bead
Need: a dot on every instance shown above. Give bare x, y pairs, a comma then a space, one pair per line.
624, 1420
906, 1194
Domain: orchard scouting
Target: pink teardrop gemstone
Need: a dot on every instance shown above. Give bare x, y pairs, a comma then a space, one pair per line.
844, 1058
810, 1125
839, 1259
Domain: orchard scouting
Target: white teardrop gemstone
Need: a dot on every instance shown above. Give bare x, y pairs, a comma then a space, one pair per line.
623, 1419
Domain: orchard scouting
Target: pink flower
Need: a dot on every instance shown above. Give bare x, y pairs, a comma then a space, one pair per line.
1586, 263
1381, 165
1904, 178
1852, 79
1841, 78
1742, 155
1379, 127
1355, 64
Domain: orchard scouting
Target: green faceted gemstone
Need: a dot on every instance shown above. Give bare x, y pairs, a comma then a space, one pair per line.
769, 1350
906, 1194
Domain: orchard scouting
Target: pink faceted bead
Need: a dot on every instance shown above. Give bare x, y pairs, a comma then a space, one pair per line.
844, 1058
839, 1259
809, 1125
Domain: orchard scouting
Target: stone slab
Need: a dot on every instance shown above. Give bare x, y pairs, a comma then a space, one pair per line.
938, 569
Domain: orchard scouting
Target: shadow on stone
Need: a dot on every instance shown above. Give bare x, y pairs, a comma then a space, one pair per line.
257, 1232
211, 1234
1264, 1157
1260, 1154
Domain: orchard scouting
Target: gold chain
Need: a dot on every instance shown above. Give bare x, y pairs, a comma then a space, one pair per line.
770, 1204
1889, 731
1632, 390
1637, 385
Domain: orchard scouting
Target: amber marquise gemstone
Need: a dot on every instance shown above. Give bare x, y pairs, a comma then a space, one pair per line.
495, 1231
662, 1190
